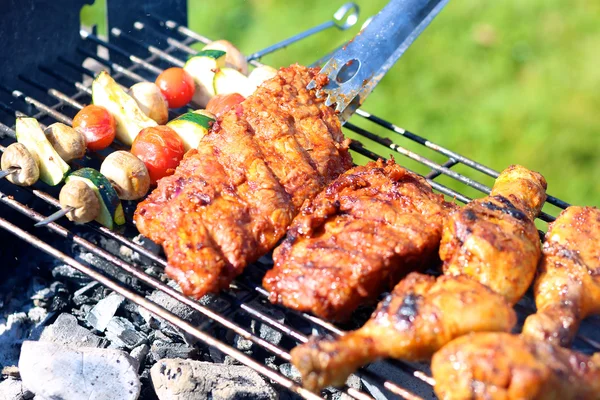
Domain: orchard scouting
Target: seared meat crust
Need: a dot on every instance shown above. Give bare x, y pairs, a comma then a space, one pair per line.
357, 238
420, 316
231, 200
494, 239
567, 288
501, 366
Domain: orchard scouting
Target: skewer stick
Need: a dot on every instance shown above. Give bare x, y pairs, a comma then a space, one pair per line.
57, 215
8, 171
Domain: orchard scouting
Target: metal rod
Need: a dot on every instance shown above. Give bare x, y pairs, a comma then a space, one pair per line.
344, 18
151, 49
55, 216
8, 171
170, 41
157, 310
113, 65
38, 105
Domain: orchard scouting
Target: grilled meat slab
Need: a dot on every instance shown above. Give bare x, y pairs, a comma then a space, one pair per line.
357, 238
567, 288
494, 239
501, 366
420, 316
231, 199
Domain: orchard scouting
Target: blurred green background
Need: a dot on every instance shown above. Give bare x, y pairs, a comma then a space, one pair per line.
504, 81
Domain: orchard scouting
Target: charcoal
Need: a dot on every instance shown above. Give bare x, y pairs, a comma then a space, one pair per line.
147, 244
160, 350
103, 311
37, 314
58, 372
13, 331
353, 382
290, 372
263, 330
186, 380
66, 331
11, 372
123, 333
81, 296
12, 389
65, 272
139, 354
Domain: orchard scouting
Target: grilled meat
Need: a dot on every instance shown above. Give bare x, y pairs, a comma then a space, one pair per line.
494, 239
232, 198
567, 288
505, 367
370, 227
416, 319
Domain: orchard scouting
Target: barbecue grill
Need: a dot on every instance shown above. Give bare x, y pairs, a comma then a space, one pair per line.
45, 77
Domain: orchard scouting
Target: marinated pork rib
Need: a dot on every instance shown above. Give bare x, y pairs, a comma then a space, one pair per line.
494, 239
231, 200
501, 366
567, 288
370, 227
411, 323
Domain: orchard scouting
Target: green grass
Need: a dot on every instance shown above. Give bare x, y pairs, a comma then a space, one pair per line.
508, 81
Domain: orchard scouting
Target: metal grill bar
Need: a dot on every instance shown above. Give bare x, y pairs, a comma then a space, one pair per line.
174, 44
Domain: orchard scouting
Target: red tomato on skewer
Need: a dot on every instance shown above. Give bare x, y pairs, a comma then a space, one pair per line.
177, 86
97, 126
161, 150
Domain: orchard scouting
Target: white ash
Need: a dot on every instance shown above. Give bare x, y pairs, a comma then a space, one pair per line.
101, 314
139, 354
12, 389
179, 379
58, 372
66, 331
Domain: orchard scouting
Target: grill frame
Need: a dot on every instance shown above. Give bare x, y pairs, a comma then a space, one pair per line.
127, 64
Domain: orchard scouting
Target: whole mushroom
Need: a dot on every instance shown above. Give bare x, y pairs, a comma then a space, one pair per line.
17, 157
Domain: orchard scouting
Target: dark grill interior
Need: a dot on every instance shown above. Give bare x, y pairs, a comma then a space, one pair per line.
54, 86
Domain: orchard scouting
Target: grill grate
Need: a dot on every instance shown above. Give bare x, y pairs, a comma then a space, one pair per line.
146, 62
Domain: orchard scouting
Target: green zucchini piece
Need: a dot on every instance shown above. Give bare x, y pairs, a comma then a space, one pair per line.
129, 117
202, 68
192, 127
111, 209
229, 80
53, 168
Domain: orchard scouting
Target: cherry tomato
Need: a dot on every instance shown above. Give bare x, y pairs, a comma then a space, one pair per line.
177, 86
160, 148
222, 103
97, 126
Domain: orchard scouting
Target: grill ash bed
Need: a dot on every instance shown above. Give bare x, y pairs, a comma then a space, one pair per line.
47, 76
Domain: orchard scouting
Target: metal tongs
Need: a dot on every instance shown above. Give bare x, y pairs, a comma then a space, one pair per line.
356, 68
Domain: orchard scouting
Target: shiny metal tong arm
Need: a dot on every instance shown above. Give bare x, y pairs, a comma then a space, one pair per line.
355, 69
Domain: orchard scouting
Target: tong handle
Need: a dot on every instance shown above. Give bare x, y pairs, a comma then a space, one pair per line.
357, 68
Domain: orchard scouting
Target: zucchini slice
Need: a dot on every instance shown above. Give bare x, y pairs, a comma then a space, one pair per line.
53, 168
111, 210
261, 74
229, 80
192, 127
128, 115
202, 68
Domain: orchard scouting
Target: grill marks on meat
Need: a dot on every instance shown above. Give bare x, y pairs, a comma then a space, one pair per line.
415, 320
232, 199
357, 238
567, 288
494, 239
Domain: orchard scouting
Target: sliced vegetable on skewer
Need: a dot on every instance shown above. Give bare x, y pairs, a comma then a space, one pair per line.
52, 167
127, 174
177, 86
161, 149
129, 117
151, 101
109, 211
261, 74
21, 167
68, 142
201, 68
234, 58
192, 127
222, 103
229, 80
